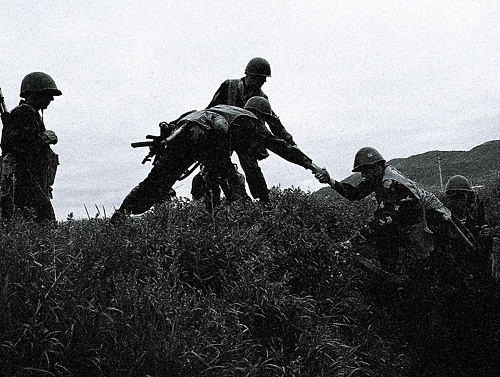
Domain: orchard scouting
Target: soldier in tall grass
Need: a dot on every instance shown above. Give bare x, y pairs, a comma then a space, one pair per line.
202, 190
29, 164
397, 242
465, 312
404, 211
209, 137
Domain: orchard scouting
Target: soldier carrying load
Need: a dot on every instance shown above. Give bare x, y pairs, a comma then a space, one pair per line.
209, 137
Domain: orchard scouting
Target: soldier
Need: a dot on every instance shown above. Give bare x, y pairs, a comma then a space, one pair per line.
236, 92
403, 212
199, 188
465, 313
396, 243
209, 137
468, 261
29, 164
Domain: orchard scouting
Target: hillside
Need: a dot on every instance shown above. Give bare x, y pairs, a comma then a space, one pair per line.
248, 291
479, 165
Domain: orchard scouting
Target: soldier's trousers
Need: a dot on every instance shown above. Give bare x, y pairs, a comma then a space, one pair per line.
253, 173
21, 191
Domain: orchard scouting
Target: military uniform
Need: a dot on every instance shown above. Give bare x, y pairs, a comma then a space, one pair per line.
200, 188
464, 291
398, 238
209, 137
400, 220
235, 93
29, 165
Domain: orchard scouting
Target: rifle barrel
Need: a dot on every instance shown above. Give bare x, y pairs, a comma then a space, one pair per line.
139, 144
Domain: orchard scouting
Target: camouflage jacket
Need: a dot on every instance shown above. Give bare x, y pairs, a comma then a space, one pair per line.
400, 204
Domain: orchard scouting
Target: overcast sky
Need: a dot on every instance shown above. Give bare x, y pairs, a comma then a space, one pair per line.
404, 77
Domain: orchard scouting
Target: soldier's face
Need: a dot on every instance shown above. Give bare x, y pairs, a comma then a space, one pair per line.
458, 202
43, 100
370, 173
255, 81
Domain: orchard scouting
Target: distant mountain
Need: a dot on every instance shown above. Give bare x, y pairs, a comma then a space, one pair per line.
478, 165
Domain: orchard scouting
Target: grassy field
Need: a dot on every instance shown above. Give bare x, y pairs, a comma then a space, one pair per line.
249, 291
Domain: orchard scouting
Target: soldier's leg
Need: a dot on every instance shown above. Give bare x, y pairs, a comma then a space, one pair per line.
7, 196
157, 185
31, 199
233, 185
179, 155
255, 179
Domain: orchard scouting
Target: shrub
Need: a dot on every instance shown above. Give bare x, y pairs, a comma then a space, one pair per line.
247, 291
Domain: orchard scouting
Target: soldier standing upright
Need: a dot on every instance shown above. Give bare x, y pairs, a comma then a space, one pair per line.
236, 92
29, 164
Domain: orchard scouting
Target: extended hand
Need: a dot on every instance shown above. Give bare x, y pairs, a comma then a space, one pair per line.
322, 176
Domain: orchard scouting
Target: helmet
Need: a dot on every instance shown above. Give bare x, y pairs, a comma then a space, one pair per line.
38, 82
366, 156
458, 183
260, 104
259, 67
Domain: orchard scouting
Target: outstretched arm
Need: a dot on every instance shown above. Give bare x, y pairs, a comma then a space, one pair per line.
279, 130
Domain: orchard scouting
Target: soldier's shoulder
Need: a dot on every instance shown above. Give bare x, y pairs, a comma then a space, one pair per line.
231, 82
23, 109
262, 94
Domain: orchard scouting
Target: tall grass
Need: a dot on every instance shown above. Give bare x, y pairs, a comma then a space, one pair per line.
248, 291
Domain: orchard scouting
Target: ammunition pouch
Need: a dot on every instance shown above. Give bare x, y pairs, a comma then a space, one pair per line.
420, 240
53, 163
9, 164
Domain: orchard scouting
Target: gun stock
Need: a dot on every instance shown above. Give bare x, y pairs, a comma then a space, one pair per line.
4, 113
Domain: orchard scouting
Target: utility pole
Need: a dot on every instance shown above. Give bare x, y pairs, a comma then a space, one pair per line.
440, 173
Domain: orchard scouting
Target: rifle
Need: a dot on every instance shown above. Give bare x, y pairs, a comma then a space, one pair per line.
464, 233
373, 266
4, 113
480, 213
139, 144
156, 144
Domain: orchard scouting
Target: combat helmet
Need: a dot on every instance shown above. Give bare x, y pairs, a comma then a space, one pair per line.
366, 156
38, 82
258, 67
260, 104
458, 183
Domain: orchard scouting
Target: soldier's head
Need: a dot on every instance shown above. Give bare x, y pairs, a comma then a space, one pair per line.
459, 194
256, 72
260, 107
38, 89
370, 163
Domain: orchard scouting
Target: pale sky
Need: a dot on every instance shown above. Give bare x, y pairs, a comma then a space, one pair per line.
404, 77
